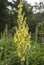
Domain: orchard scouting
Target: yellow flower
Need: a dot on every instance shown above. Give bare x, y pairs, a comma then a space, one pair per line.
19, 46
17, 32
19, 54
23, 59
15, 39
20, 10
19, 17
18, 35
25, 32
27, 43
20, 6
21, 42
22, 39
22, 30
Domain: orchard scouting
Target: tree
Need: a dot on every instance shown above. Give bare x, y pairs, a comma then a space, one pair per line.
3, 14
27, 9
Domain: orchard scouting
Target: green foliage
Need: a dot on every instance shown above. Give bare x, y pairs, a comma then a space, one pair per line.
8, 50
36, 54
9, 56
3, 14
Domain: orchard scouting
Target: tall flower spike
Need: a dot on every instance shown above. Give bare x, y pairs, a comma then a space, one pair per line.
22, 37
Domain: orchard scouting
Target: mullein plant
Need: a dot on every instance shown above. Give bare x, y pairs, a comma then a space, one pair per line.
22, 37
